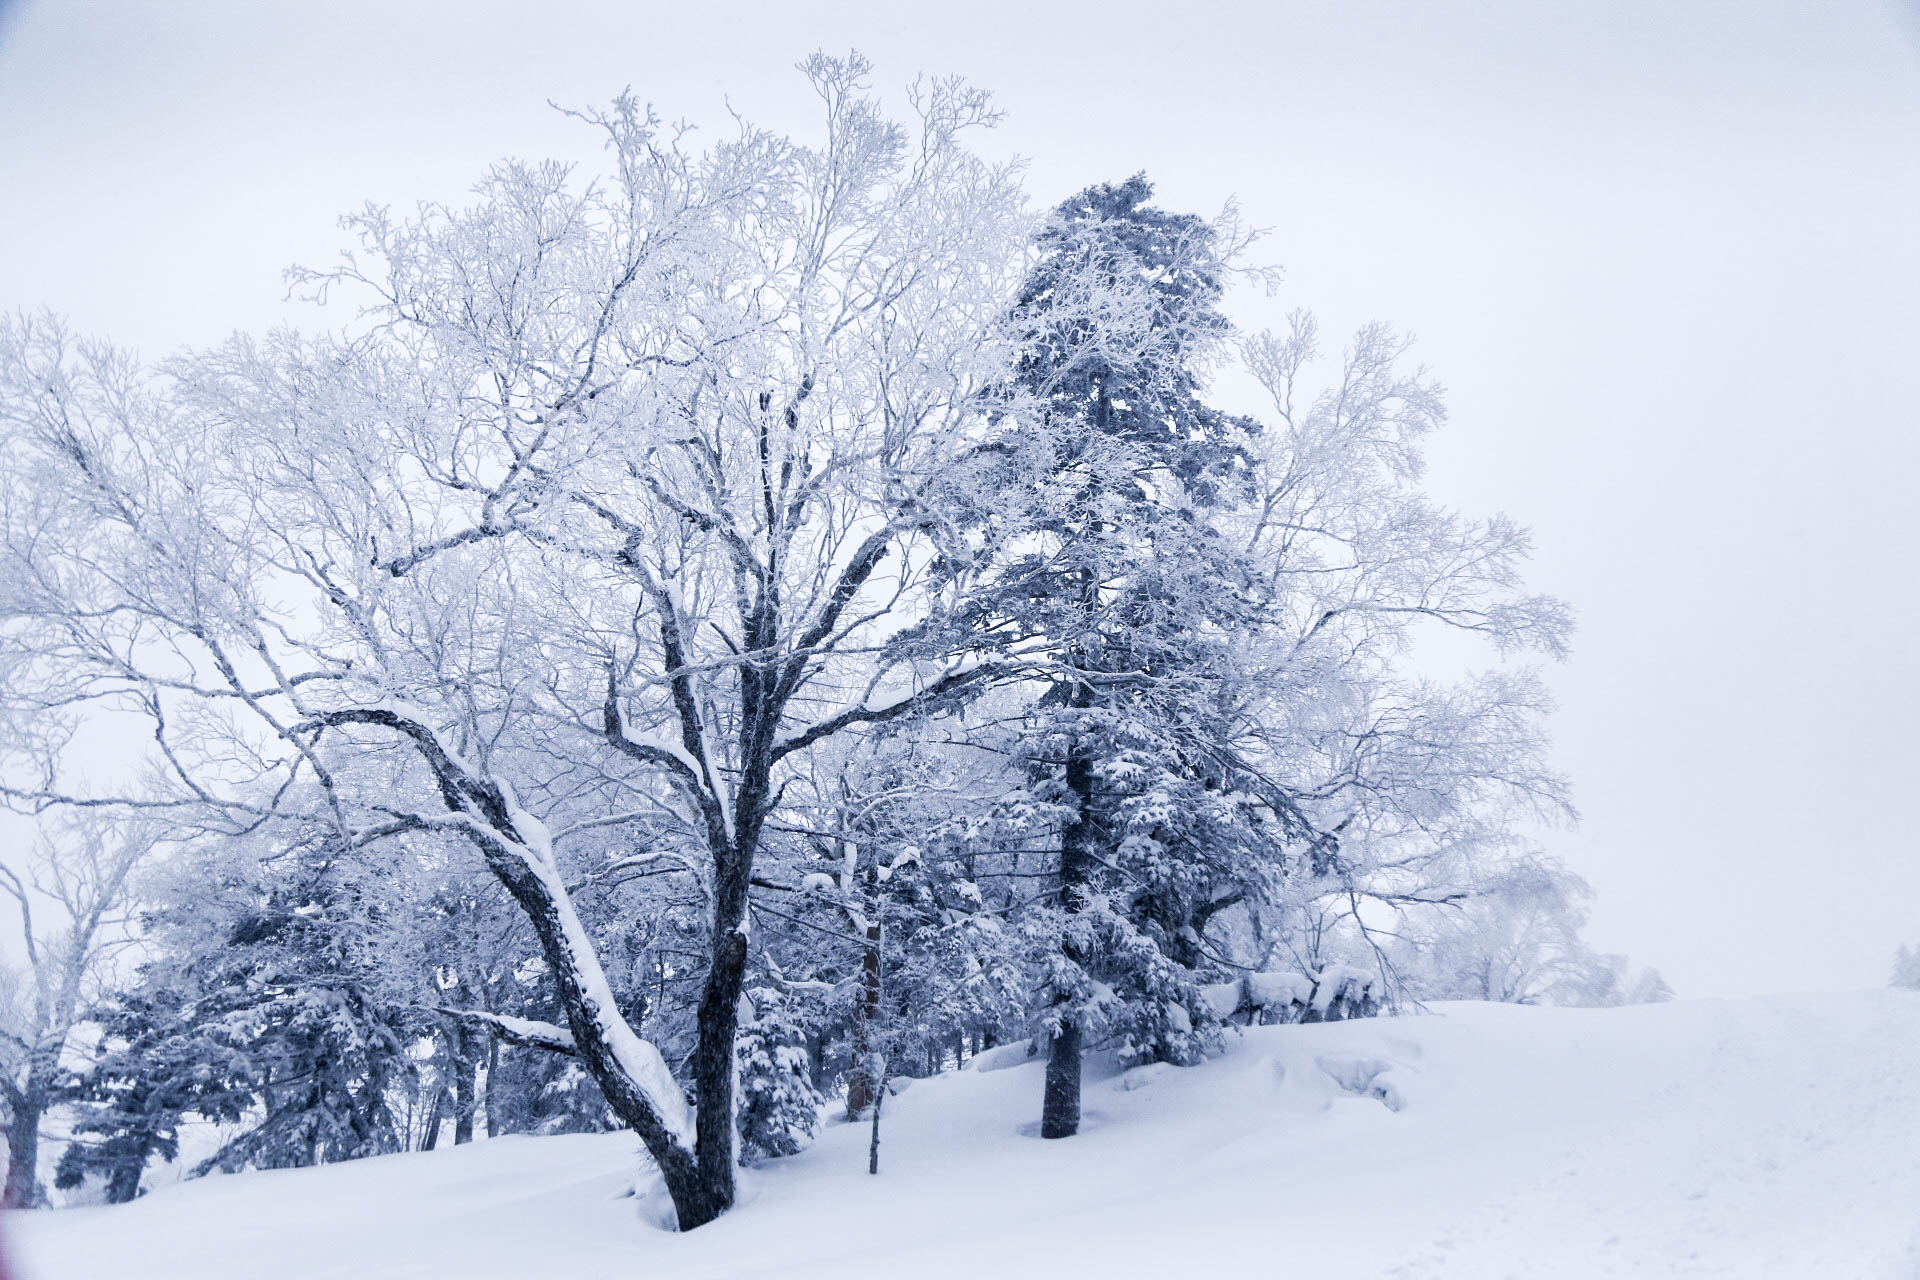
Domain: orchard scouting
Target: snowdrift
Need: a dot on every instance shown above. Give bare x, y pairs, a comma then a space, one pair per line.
1757, 1138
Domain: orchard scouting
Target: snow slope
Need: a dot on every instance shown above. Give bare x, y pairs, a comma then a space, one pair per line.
1758, 1138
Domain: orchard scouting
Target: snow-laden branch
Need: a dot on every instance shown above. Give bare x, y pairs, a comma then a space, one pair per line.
528, 1033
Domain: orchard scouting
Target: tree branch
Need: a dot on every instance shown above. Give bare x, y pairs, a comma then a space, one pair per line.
525, 1032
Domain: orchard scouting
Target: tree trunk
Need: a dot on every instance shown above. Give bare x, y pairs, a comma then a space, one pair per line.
465, 1064
630, 1072
123, 1184
816, 1055
493, 1066
710, 1189
862, 1087
576, 978
431, 1138
1060, 1107
23, 1154
879, 1100
1060, 1110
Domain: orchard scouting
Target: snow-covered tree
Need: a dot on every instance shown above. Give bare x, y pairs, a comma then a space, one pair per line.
272, 971
75, 903
1393, 795
152, 1072
1109, 583
779, 1107
1645, 987
1516, 939
876, 905
592, 519
762, 567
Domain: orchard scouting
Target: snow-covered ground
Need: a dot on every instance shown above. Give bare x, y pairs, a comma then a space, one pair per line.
1775, 1137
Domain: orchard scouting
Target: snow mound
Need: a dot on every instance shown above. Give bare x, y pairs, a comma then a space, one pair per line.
1765, 1139
1367, 1077
1003, 1056
1141, 1077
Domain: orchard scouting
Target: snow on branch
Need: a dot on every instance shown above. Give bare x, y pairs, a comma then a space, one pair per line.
527, 1033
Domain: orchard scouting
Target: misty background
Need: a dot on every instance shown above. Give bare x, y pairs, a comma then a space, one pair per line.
1666, 259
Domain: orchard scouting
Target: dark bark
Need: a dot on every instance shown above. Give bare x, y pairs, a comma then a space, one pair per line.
816, 1057
711, 1188
678, 1167
463, 1105
123, 1184
873, 1143
1060, 1107
863, 1088
431, 1139
493, 1067
23, 1154
465, 1065
761, 700
1188, 950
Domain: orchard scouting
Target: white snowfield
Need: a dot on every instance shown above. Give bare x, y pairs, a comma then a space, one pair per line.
1774, 1137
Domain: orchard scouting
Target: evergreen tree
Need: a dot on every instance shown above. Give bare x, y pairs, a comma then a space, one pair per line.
153, 1069
282, 970
1103, 481
779, 1109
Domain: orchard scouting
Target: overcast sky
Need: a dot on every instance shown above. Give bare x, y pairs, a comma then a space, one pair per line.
1666, 257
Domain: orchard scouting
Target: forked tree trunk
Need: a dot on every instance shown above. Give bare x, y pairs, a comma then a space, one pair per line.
630, 1072
576, 979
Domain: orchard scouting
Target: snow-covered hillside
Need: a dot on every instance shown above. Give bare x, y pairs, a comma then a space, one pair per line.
1756, 1138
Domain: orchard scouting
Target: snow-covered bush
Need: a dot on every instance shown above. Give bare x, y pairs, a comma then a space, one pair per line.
778, 1111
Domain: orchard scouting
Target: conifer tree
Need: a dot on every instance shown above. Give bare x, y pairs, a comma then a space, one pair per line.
779, 1109
1117, 590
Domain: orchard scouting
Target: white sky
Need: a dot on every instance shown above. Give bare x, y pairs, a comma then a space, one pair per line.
1666, 256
